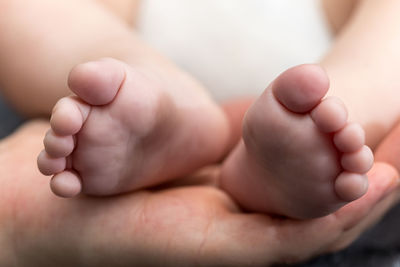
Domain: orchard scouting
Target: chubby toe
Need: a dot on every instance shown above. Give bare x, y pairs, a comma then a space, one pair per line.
330, 115
48, 165
97, 82
351, 186
58, 146
350, 139
358, 162
301, 88
66, 184
68, 116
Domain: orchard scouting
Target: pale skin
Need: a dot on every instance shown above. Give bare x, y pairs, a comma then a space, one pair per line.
142, 56
80, 139
75, 145
148, 124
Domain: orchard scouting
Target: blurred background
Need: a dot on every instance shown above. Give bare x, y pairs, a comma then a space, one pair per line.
230, 66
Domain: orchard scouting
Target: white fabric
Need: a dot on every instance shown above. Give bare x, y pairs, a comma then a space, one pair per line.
235, 47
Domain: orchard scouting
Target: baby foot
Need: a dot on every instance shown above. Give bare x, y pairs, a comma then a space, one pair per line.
127, 129
299, 156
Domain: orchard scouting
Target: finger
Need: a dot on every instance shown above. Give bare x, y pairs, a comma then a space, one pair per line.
267, 240
389, 149
358, 216
383, 179
373, 216
288, 241
344, 226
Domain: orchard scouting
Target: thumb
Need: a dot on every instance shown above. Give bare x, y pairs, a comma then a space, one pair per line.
389, 149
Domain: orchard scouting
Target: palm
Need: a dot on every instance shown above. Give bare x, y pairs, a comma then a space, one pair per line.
178, 225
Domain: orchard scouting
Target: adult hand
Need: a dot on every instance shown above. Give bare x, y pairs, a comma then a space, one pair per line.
191, 222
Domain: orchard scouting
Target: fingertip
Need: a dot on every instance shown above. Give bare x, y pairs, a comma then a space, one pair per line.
384, 179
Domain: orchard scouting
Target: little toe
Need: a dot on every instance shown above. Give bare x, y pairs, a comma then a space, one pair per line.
58, 146
351, 186
66, 184
358, 162
330, 115
48, 165
97, 82
301, 88
68, 116
350, 139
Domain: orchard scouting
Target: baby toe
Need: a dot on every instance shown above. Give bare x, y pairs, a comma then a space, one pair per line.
48, 165
58, 146
350, 139
330, 115
351, 186
66, 184
358, 162
68, 116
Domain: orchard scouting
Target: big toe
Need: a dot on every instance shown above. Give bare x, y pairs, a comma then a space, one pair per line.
301, 88
97, 82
